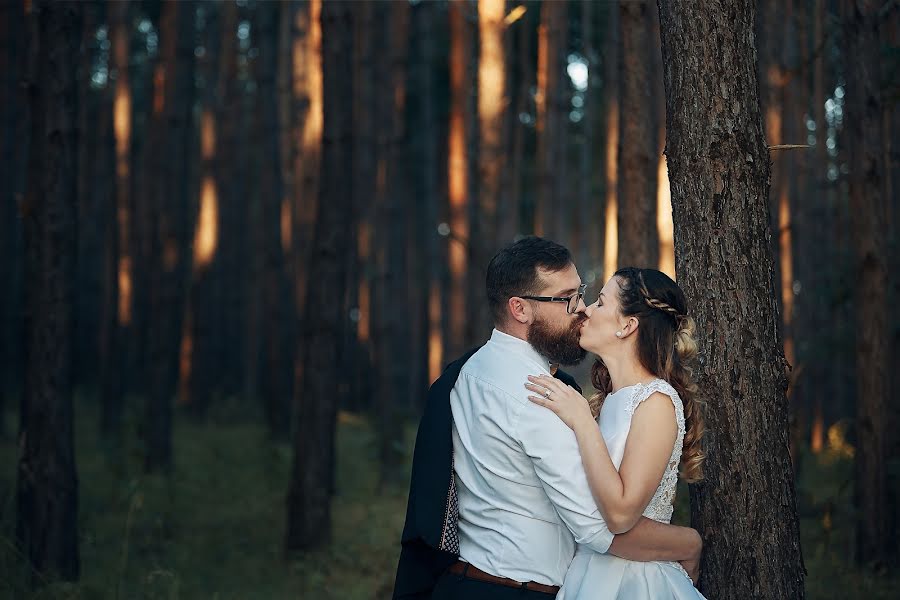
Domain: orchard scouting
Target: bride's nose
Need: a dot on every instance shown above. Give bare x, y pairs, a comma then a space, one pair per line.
589, 310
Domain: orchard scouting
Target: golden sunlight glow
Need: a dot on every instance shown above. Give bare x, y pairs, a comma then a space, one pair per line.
490, 67
664, 224
435, 341
817, 439
365, 301
611, 249
314, 124
125, 289
457, 175
514, 15
787, 268
207, 135
207, 231
122, 127
286, 226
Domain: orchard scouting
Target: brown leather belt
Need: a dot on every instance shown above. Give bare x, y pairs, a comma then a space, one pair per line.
472, 572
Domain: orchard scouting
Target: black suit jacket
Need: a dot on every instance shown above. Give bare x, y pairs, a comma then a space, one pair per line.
430, 542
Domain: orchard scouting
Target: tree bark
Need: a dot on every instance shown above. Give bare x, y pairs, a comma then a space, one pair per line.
458, 176
551, 206
719, 172
14, 146
638, 239
47, 485
276, 326
117, 306
169, 144
309, 495
868, 210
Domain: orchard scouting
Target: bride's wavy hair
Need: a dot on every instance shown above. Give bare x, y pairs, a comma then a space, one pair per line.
665, 347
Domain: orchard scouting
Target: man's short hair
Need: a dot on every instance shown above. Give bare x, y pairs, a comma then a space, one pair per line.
514, 271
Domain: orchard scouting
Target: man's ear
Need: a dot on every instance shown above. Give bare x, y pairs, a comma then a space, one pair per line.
519, 310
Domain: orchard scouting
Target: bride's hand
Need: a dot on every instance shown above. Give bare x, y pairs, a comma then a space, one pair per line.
562, 399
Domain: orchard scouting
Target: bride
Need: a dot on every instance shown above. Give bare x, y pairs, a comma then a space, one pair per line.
649, 424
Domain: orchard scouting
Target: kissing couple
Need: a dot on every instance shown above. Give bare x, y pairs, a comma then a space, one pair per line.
523, 488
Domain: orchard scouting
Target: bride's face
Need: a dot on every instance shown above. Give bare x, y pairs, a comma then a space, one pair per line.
598, 333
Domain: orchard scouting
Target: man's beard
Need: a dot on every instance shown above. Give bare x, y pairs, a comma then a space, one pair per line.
558, 346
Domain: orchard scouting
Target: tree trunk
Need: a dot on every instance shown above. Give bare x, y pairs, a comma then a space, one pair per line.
550, 205
492, 103
868, 207
117, 306
13, 145
199, 370
638, 239
360, 391
458, 175
169, 144
275, 380
519, 177
719, 170
611, 148
309, 495
818, 376
392, 328
47, 486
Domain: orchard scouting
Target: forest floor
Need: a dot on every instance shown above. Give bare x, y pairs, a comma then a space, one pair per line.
214, 530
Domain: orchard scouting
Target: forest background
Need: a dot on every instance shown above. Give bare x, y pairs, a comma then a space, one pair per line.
241, 238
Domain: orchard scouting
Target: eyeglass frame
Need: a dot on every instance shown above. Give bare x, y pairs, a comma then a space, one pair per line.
567, 299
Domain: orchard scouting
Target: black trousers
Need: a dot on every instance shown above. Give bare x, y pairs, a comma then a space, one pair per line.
452, 586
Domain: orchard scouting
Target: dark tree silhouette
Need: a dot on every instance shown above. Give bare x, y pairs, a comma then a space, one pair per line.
47, 494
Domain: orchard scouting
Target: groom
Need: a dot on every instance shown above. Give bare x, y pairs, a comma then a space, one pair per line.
498, 498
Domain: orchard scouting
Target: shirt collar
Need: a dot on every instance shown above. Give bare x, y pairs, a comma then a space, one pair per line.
510, 343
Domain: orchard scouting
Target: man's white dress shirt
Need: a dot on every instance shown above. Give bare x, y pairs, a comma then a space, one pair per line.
524, 500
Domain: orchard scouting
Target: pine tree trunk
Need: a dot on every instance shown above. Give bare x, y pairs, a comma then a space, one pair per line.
458, 175
117, 306
868, 210
275, 380
638, 240
47, 486
174, 91
611, 144
550, 205
309, 495
13, 111
719, 171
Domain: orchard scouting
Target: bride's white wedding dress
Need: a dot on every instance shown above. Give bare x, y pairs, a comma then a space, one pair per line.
593, 576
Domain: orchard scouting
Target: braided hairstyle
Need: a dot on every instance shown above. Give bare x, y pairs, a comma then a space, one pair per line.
665, 347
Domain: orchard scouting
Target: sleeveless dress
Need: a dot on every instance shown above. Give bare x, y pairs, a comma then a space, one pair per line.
594, 576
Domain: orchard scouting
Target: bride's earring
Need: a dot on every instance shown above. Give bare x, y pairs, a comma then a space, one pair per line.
618, 334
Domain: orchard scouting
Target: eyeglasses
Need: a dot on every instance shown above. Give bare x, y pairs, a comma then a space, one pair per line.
571, 301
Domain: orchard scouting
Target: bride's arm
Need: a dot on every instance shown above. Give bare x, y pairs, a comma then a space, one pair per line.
621, 495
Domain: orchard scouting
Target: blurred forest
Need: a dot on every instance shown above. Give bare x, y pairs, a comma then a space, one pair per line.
240, 238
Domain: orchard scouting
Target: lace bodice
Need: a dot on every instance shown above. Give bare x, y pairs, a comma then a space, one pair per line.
660, 507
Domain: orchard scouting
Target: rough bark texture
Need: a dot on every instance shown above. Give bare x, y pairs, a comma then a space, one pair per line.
638, 240
168, 224
867, 207
309, 495
719, 170
47, 486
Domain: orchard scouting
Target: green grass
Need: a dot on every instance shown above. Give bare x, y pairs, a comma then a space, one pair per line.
214, 529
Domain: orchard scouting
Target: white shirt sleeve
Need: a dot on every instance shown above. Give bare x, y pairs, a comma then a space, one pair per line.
553, 450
